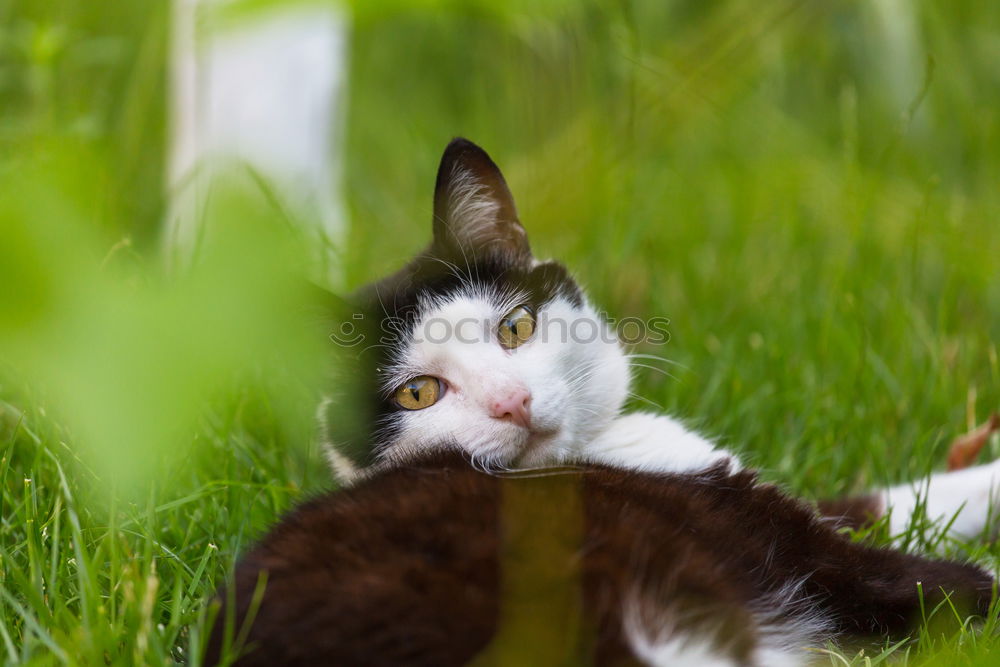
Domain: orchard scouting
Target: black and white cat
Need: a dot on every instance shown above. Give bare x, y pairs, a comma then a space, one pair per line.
630, 539
515, 367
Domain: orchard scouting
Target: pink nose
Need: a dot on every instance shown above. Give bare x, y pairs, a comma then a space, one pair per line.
515, 408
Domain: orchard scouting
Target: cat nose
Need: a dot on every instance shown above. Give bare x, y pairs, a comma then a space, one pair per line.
516, 408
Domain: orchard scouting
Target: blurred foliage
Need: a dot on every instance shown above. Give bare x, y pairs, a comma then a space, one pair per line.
808, 189
131, 357
90, 76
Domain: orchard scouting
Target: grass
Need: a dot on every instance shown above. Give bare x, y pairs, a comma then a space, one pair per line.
808, 192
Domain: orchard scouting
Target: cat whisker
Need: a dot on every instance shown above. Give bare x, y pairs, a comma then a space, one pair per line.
591, 408
464, 277
530, 473
654, 357
654, 368
649, 402
453, 269
587, 368
381, 303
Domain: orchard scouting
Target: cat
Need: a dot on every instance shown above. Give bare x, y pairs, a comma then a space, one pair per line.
433, 562
555, 398
491, 471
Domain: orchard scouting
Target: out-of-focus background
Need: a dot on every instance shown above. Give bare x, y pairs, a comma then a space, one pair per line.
808, 190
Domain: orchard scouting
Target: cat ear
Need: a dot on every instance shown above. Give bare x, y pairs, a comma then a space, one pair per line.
474, 213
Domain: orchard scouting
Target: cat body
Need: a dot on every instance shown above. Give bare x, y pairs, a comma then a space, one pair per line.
469, 368
423, 564
438, 317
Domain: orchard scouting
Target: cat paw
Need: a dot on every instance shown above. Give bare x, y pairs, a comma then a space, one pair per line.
966, 498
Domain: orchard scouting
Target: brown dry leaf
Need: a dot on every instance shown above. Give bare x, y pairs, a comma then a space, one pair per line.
966, 448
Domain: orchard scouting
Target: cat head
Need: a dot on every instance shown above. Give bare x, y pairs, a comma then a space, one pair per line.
476, 344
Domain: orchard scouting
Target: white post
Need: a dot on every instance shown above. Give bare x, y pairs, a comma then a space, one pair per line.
263, 90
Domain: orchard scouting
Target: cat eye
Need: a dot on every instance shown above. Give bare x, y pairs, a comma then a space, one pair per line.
419, 393
517, 327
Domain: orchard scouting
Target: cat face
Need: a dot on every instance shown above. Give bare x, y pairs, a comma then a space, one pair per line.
480, 346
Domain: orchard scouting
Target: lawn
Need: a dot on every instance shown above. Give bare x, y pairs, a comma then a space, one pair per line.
808, 190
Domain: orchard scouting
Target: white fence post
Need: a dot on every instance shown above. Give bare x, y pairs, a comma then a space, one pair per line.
263, 90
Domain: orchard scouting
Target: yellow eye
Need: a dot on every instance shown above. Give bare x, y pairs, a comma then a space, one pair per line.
516, 327
419, 393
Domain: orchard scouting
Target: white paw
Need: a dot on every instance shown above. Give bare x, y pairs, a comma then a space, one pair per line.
965, 498
654, 443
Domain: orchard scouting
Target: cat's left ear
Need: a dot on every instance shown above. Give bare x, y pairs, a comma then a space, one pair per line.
474, 213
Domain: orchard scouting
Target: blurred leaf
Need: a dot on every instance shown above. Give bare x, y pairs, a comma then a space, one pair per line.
132, 360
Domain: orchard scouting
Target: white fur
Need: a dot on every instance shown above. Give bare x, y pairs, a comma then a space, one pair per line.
786, 622
966, 498
472, 204
650, 623
654, 443
343, 469
577, 387
676, 651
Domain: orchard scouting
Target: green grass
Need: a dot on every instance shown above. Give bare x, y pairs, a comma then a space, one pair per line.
808, 190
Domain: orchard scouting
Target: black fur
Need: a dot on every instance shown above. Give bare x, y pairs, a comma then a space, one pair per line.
426, 564
385, 312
